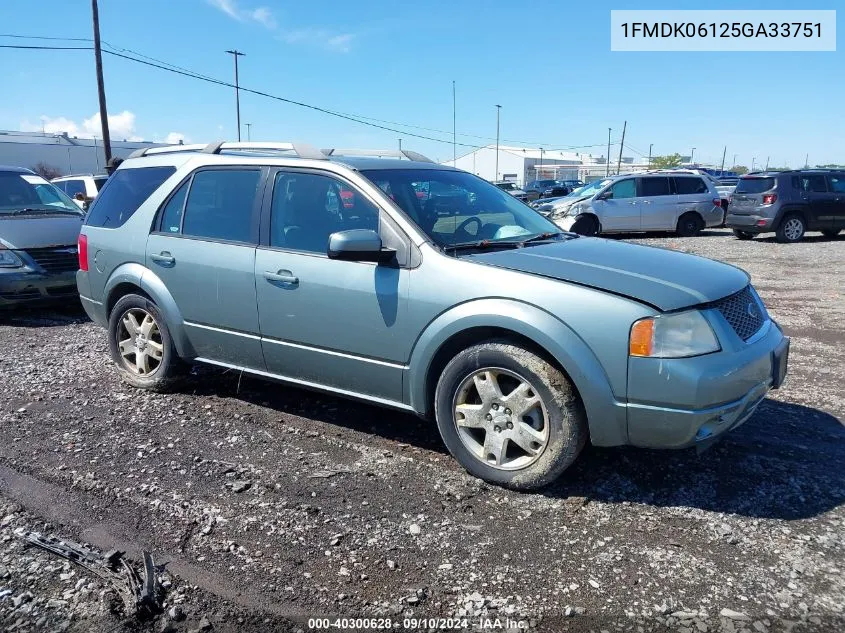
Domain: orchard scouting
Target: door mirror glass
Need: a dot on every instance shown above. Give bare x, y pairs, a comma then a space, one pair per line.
607, 195
358, 245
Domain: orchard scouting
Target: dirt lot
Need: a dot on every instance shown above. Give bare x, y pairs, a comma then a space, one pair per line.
271, 505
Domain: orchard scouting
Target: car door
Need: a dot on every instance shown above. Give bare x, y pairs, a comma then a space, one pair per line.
821, 203
203, 250
836, 184
617, 206
328, 322
657, 203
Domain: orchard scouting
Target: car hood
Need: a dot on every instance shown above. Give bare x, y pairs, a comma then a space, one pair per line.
38, 231
664, 279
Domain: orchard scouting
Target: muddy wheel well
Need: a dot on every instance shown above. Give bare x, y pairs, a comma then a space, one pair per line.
121, 290
468, 338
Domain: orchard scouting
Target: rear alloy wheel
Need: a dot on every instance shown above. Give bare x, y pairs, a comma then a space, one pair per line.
586, 225
689, 225
831, 233
743, 235
140, 344
791, 229
508, 416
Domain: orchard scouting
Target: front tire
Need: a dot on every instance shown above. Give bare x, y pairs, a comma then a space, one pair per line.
141, 345
586, 225
743, 235
689, 225
791, 229
508, 416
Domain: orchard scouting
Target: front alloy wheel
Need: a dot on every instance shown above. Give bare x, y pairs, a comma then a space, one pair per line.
139, 341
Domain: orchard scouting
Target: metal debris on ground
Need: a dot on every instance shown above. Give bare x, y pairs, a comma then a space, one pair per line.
141, 595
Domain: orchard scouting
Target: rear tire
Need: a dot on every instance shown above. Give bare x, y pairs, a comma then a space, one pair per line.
743, 235
830, 233
586, 225
689, 225
141, 345
508, 416
791, 229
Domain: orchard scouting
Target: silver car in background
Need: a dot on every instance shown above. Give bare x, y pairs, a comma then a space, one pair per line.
681, 202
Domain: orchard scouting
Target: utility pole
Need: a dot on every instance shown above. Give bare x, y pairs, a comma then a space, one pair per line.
734, 163
498, 112
806, 160
537, 171
454, 128
101, 90
753, 158
722, 169
650, 145
236, 54
400, 144
607, 160
767, 163
621, 145
692, 157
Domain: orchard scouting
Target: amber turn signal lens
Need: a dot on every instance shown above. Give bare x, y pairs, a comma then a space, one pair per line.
641, 342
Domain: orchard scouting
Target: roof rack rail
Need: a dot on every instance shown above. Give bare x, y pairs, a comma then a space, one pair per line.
379, 153
301, 150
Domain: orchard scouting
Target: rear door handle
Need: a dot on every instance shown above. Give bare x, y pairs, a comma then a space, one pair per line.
163, 258
283, 276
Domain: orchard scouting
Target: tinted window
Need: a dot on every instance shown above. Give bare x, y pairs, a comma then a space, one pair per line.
100, 181
685, 186
220, 204
754, 185
837, 183
171, 217
73, 187
654, 187
125, 191
813, 183
624, 189
307, 208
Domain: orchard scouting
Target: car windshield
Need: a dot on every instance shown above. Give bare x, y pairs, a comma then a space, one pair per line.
459, 207
22, 191
754, 185
588, 190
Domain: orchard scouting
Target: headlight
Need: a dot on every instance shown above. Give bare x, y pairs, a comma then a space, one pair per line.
8, 259
673, 336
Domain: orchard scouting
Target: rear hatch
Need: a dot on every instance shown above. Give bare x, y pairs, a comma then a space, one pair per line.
747, 198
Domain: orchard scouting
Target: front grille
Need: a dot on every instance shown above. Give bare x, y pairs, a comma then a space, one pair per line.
60, 259
743, 312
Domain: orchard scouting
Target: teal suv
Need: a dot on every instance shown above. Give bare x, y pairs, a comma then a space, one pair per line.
407, 284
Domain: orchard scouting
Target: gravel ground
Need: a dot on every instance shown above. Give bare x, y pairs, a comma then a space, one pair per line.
269, 505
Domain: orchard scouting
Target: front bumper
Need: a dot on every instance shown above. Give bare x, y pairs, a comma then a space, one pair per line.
677, 403
28, 287
750, 223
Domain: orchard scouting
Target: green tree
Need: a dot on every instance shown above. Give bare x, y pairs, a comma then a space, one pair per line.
740, 169
666, 162
830, 166
48, 172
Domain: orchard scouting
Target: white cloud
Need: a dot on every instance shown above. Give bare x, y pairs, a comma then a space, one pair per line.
121, 126
175, 138
320, 38
261, 15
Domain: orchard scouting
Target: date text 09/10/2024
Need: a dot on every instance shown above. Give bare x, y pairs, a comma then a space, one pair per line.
409, 624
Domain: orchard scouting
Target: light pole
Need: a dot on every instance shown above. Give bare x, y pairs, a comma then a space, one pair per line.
607, 162
650, 145
537, 174
753, 158
236, 54
400, 144
498, 112
734, 163
692, 157
248, 135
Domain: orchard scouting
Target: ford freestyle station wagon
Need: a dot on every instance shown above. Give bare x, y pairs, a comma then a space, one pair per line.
326, 269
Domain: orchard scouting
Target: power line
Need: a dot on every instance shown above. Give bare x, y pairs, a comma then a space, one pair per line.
360, 119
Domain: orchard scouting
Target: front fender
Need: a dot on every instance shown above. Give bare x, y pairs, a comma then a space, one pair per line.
137, 275
606, 417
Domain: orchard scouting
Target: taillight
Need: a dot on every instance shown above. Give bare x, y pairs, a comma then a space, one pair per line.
82, 249
717, 202
769, 198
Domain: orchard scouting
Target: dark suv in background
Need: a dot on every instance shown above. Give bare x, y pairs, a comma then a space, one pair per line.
788, 203
546, 189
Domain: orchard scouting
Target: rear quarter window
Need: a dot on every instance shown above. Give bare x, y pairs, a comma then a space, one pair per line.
754, 185
124, 192
690, 185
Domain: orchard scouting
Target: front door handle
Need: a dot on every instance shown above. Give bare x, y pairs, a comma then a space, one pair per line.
164, 258
282, 276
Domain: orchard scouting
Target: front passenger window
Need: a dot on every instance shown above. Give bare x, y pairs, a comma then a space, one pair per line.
624, 189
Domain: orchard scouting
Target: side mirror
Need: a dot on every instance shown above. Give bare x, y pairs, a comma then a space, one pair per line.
607, 195
358, 245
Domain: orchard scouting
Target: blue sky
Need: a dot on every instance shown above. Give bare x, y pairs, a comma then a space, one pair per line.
548, 64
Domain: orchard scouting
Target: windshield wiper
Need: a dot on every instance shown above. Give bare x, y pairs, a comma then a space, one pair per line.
542, 237
479, 245
43, 210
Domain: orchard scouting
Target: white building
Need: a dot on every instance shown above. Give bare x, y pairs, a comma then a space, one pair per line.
67, 154
524, 164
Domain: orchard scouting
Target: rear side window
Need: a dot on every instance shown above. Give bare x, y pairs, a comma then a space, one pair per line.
654, 187
813, 183
754, 185
837, 183
686, 186
220, 204
125, 191
73, 187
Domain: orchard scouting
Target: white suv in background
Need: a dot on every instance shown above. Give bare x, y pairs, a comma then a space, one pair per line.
679, 201
82, 188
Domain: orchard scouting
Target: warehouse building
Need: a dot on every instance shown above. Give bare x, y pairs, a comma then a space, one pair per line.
62, 153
